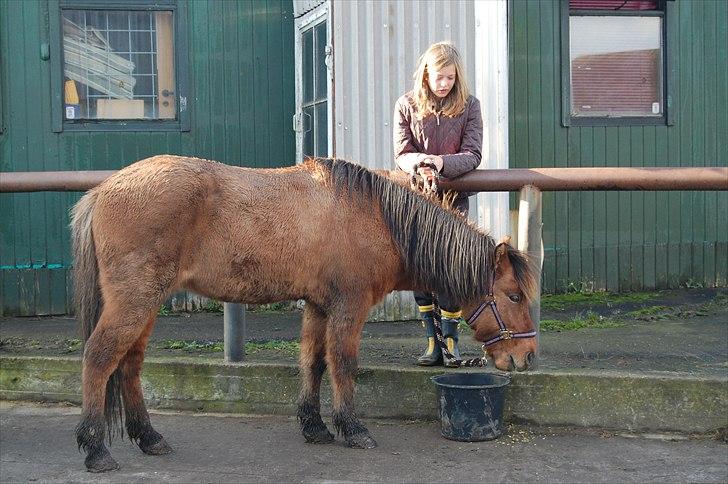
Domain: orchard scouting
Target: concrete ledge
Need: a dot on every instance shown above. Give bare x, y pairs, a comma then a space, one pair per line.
640, 402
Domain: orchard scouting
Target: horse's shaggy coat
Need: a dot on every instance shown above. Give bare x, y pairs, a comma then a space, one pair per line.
328, 231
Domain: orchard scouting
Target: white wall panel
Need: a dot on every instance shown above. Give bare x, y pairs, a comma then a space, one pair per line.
376, 45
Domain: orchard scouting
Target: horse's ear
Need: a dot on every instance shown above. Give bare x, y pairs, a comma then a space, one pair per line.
501, 255
506, 239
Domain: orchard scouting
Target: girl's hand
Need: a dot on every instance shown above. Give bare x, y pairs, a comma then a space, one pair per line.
435, 160
426, 172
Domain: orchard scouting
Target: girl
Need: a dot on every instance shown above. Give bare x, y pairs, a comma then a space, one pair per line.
439, 123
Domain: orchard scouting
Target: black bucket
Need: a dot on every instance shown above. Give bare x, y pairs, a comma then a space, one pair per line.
471, 405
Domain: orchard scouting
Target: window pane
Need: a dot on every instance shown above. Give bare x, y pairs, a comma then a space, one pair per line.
616, 66
308, 131
118, 65
322, 131
307, 65
320, 60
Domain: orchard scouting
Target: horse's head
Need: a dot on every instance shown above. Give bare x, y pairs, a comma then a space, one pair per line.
511, 341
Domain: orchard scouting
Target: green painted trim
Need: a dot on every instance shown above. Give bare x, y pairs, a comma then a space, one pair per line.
565, 67
670, 43
622, 121
33, 266
182, 66
54, 17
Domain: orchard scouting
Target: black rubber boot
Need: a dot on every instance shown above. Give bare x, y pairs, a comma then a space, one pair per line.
450, 332
432, 355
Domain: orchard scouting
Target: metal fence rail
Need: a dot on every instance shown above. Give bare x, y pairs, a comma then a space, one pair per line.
529, 182
545, 179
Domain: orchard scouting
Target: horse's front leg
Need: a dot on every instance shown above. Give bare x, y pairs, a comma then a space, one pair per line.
342, 349
313, 364
138, 425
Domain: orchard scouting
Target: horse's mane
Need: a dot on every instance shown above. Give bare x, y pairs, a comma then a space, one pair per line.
455, 258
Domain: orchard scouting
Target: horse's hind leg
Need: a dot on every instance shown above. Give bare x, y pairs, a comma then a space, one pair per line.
342, 348
313, 365
138, 425
115, 333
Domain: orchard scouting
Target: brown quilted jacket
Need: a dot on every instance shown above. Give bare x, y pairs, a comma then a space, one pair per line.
459, 140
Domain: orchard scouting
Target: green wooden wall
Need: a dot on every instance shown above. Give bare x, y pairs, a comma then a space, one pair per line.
629, 240
241, 73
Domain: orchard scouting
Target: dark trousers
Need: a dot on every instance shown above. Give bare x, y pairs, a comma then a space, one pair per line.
426, 298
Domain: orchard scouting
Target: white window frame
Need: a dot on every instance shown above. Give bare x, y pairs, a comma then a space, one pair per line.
309, 20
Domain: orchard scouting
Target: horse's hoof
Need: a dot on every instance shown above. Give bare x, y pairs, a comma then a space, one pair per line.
361, 441
101, 461
161, 447
322, 436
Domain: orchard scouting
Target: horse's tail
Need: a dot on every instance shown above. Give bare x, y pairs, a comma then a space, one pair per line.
88, 300
86, 290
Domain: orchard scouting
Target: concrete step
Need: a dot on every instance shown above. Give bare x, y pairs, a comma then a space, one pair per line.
647, 401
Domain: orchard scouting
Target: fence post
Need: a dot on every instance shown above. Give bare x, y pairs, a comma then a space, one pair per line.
234, 326
530, 241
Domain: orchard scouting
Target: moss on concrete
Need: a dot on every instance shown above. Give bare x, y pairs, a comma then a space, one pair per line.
655, 402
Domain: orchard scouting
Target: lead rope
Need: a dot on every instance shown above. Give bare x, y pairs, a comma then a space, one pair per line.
482, 361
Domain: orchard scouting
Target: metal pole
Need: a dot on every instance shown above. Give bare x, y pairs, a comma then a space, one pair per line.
531, 242
234, 324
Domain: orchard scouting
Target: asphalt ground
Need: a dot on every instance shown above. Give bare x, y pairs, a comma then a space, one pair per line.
682, 331
37, 444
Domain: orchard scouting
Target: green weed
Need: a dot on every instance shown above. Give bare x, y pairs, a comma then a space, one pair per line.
559, 302
73, 345
285, 347
212, 306
590, 320
649, 312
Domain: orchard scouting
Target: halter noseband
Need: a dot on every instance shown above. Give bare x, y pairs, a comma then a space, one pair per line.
503, 333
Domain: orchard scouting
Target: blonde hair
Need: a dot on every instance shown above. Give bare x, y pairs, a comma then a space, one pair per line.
437, 57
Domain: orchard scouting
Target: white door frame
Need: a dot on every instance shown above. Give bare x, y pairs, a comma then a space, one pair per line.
305, 22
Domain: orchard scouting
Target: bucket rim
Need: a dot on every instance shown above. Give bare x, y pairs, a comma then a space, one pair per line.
506, 379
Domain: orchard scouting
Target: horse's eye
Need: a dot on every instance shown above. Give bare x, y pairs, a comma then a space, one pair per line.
516, 298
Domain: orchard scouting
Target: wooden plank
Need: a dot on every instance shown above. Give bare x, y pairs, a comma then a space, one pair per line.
649, 213
42, 292
245, 93
231, 78
600, 214
201, 69
275, 73
550, 106
586, 202
663, 137
10, 292
261, 90
624, 227
58, 291
26, 292
688, 143
637, 242
288, 85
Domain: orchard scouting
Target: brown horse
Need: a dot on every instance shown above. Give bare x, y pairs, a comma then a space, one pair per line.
330, 232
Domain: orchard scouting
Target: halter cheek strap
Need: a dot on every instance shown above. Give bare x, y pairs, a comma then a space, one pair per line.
503, 333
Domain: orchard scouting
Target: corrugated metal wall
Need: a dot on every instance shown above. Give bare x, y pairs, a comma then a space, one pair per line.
376, 48
626, 241
242, 81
